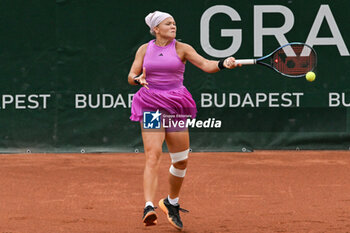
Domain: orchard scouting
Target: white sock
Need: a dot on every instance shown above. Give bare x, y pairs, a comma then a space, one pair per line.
149, 203
173, 201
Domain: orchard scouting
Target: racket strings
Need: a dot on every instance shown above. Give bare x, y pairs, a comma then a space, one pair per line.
295, 59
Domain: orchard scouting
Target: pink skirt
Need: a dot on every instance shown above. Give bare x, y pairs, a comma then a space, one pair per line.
177, 101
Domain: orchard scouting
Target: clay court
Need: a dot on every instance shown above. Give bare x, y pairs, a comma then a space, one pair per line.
263, 191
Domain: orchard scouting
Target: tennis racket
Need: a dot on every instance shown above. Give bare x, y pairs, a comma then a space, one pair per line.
293, 60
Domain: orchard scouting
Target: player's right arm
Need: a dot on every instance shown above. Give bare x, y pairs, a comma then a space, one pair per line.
209, 66
136, 67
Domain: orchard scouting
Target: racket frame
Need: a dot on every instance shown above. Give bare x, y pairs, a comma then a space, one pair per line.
260, 60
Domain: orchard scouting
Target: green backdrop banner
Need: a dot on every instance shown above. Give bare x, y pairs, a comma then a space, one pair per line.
64, 67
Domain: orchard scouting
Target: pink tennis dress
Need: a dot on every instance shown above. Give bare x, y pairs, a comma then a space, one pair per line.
164, 74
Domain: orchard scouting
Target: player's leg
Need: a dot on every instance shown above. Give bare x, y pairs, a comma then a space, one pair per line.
152, 141
178, 146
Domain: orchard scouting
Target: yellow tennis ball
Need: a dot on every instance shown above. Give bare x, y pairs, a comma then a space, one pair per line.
310, 76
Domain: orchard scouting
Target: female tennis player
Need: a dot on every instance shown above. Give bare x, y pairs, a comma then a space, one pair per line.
158, 67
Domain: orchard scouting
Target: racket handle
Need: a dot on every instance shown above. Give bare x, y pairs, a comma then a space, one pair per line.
246, 61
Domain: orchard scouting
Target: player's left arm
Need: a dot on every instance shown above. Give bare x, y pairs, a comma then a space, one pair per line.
209, 66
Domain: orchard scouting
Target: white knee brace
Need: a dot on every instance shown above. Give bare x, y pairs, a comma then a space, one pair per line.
177, 157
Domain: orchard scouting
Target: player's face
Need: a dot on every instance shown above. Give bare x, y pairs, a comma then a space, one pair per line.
167, 28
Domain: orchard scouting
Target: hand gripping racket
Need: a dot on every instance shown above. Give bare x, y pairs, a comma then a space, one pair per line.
293, 60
